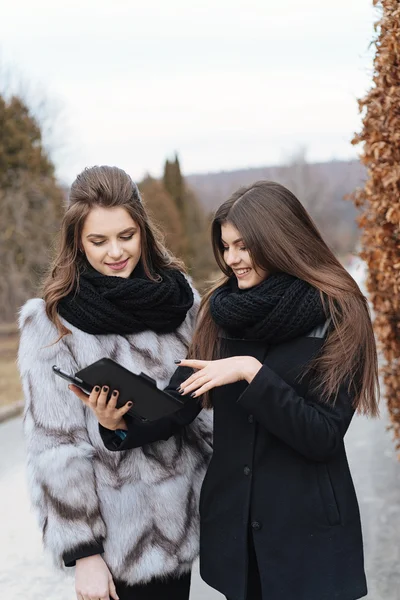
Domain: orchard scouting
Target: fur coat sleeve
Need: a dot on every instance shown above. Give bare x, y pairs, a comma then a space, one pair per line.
59, 455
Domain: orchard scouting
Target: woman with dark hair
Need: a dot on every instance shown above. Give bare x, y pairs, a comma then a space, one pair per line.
129, 522
287, 356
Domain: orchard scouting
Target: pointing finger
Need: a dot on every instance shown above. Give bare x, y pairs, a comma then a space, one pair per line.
193, 364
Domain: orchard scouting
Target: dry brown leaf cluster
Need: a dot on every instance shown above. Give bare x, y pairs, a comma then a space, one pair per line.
380, 198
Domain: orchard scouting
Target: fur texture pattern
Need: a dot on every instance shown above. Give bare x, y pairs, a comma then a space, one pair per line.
142, 503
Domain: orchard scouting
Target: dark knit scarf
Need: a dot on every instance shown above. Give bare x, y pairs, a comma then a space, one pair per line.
279, 309
105, 304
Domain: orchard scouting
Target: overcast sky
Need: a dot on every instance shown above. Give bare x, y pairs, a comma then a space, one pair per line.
226, 83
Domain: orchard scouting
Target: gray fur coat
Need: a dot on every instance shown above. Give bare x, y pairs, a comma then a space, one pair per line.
141, 504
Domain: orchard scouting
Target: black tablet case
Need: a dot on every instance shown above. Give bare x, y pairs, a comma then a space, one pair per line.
149, 403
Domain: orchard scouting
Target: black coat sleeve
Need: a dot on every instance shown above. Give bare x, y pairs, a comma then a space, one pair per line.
139, 434
82, 551
312, 428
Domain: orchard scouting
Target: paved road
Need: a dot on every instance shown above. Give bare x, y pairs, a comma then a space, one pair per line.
24, 574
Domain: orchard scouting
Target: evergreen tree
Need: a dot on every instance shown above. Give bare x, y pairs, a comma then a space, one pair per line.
21, 147
164, 213
175, 186
30, 204
174, 183
196, 246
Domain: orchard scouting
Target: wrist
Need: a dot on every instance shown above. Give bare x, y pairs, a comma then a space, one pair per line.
120, 425
86, 559
250, 368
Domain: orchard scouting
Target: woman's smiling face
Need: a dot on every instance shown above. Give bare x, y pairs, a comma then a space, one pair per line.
111, 241
238, 258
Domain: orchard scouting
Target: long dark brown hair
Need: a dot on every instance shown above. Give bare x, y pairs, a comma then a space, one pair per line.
281, 237
107, 187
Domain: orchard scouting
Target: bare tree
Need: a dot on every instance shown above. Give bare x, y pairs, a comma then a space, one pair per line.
319, 194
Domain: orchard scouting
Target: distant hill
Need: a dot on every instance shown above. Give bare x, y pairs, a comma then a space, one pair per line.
213, 188
321, 187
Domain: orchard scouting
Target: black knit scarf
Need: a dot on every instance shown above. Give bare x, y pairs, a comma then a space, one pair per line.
279, 309
105, 304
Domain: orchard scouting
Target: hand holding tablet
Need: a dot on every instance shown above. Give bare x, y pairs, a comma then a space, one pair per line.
149, 402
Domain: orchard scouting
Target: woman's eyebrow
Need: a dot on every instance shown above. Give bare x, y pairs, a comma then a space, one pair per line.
234, 242
101, 235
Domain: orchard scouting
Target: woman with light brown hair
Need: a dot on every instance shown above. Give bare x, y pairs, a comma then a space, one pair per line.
127, 522
285, 353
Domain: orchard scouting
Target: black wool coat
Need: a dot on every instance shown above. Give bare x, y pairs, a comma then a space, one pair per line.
278, 473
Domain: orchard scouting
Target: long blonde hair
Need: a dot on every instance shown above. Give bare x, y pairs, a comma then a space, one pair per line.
106, 187
281, 237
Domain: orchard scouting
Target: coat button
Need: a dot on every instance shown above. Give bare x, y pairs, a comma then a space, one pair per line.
250, 419
256, 526
247, 470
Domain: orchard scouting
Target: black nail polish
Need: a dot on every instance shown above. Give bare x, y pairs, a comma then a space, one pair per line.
177, 362
193, 395
105, 388
178, 389
182, 392
129, 403
114, 393
97, 389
